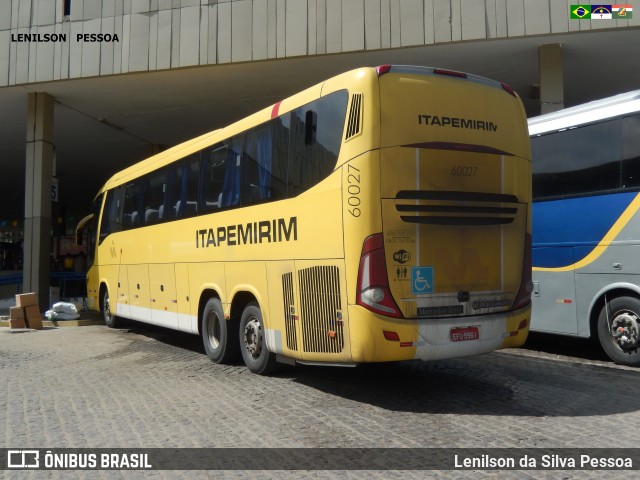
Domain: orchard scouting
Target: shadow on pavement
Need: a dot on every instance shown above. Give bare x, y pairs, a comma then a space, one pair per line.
494, 384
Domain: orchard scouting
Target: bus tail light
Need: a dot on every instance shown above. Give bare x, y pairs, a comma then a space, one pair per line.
526, 284
508, 89
373, 284
382, 69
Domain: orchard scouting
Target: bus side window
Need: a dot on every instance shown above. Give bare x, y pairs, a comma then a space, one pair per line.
131, 216
233, 165
257, 161
182, 188
175, 178
316, 136
188, 203
280, 159
154, 193
213, 169
112, 213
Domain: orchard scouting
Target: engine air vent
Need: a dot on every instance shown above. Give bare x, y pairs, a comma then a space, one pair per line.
354, 124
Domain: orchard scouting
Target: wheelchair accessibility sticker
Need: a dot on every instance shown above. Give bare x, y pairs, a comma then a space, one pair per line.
421, 280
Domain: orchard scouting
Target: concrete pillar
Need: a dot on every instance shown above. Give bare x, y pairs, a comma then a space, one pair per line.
551, 78
37, 201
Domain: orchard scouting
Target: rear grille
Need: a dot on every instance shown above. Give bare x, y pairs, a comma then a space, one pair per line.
321, 310
355, 116
457, 208
289, 311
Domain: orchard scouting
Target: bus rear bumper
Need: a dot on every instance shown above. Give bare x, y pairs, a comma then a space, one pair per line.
385, 339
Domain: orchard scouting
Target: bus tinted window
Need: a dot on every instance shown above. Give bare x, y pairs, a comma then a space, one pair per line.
232, 172
278, 159
154, 193
631, 152
91, 241
316, 134
112, 215
580, 161
331, 112
131, 216
182, 197
264, 172
214, 161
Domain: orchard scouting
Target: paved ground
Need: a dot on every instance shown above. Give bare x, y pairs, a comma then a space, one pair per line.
149, 387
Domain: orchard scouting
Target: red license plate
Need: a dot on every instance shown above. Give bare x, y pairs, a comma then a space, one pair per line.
464, 334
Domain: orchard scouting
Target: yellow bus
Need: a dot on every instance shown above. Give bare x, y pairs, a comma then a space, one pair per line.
381, 215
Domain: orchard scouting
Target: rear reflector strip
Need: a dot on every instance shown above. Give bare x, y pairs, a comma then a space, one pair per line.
451, 73
391, 336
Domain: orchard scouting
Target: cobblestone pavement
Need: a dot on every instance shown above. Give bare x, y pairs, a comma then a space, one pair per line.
148, 387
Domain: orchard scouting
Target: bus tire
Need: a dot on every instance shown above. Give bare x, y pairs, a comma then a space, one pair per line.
219, 342
110, 319
255, 354
619, 330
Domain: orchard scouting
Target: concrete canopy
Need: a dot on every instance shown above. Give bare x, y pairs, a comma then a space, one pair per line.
106, 123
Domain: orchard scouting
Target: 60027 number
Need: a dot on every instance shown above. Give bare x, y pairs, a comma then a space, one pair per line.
353, 191
463, 171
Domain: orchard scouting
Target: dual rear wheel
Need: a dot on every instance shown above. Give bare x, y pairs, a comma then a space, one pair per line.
224, 339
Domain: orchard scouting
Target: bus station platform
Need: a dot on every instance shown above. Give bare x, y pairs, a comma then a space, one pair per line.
70, 286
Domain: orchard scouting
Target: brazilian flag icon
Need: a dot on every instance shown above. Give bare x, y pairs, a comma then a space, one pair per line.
580, 12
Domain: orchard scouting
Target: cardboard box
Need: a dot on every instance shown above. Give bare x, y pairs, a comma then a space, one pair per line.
16, 313
26, 299
17, 323
34, 319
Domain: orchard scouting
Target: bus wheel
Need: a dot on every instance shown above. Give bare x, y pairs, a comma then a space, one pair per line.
252, 342
619, 330
216, 333
109, 317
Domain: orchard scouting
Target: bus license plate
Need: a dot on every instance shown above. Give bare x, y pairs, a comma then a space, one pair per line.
464, 334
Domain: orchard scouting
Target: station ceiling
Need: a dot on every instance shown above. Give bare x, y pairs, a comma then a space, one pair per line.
104, 124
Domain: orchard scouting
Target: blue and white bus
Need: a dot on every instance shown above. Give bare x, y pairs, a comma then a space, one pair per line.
586, 224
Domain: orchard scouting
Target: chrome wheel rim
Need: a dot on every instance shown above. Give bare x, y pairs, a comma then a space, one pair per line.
625, 328
252, 337
107, 309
